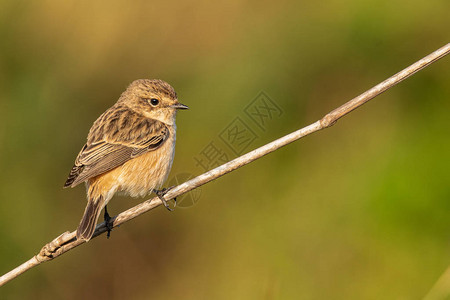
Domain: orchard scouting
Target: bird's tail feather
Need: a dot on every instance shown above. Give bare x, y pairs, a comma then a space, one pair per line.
87, 225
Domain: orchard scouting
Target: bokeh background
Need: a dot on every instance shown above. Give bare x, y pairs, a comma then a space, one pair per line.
357, 211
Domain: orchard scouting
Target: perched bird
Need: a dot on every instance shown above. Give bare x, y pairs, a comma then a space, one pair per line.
129, 149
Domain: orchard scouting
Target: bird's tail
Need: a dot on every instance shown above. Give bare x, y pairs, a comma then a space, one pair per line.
87, 225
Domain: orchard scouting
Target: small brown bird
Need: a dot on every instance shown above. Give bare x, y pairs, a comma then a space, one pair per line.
129, 149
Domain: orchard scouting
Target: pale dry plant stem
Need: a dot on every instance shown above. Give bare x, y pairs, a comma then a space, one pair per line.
68, 241
441, 289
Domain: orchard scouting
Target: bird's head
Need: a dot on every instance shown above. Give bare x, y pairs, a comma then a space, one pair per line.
153, 98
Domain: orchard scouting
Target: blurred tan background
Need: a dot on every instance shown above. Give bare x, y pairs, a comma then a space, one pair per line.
358, 211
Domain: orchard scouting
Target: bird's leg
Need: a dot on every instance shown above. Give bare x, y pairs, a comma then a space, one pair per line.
160, 193
108, 225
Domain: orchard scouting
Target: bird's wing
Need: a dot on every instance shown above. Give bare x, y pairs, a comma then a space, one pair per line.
113, 140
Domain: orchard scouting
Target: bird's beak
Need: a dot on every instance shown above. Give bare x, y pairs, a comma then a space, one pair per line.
179, 106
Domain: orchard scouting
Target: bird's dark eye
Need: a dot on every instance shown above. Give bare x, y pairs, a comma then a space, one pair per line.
154, 101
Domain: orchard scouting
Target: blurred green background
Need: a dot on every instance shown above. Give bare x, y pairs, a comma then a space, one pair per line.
357, 211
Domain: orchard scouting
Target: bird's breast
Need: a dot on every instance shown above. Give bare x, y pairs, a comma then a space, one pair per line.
140, 175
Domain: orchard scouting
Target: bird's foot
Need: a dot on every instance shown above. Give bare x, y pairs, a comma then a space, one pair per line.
161, 193
108, 224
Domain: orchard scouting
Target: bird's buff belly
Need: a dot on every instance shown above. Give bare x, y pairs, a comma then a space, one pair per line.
138, 176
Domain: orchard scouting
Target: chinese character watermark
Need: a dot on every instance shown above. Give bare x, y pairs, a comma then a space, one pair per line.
262, 110
211, 156
238, 136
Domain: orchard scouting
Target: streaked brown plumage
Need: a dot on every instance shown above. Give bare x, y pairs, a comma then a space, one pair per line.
129, 149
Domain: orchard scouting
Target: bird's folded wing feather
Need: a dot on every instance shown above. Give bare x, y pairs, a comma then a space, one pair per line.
114, 141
